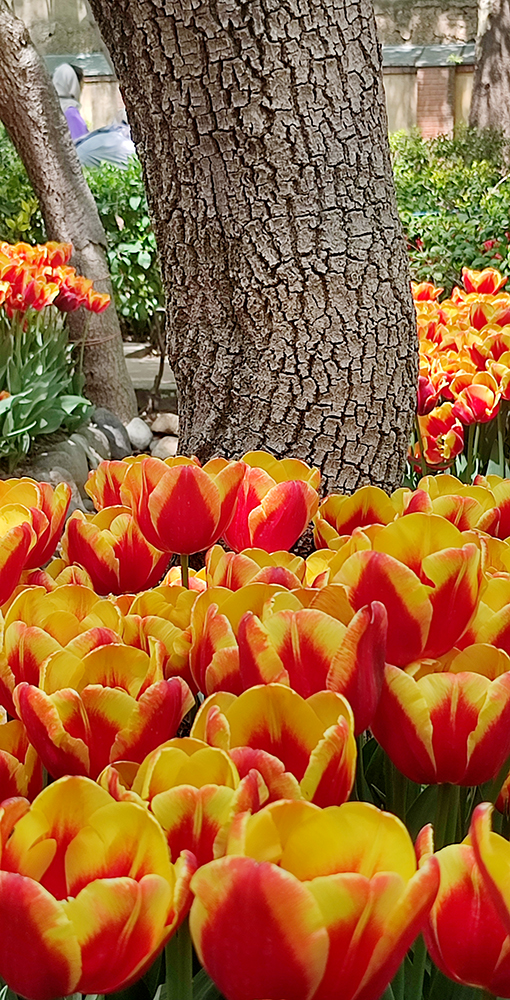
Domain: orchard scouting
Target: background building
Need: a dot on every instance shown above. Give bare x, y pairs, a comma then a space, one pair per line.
428, 58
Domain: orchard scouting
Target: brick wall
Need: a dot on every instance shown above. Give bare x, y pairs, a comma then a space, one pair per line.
435, 100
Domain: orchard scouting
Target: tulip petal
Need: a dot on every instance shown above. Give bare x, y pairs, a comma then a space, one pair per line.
456, 577
492, 854
39, 954
329, 777
120, 926
191, 818
376, 576
275, 718
57, 727
156, 717
357, 669
355, 837
282, 515
240, 913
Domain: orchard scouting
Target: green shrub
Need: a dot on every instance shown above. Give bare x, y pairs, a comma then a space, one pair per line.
20, 218
122, 205
132, 255
454, 201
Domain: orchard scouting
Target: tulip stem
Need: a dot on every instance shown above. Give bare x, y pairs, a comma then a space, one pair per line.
501, 441
185, 570
417, 970
423, 464
470, 452
179, 965
445, 824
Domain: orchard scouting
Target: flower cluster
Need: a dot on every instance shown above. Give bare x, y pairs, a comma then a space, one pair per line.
32, 277
464, 363
250, 749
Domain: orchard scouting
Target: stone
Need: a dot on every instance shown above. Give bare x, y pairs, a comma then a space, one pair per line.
69, 455
166, 423
93, 458
113, 428
97, 440
139, 434
165, 447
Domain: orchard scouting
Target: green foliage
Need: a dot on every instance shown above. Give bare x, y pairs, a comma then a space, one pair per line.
37, 372
20, 218
132, 255
122, 205
454, 201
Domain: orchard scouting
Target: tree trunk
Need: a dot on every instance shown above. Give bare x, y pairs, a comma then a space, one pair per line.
262, 132
32, 116
490, 103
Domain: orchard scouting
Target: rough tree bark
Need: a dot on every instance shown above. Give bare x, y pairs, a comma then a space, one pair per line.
490, 103
32, 116
262, 132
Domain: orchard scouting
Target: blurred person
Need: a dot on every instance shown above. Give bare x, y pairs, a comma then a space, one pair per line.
112, 144
67, 81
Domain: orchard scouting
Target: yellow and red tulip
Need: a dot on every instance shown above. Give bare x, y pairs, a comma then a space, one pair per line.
196, 580
425, 291
17, 536
56, 574
442, 434
180, 506
104, 483
492, 853
47, 509
236, 569
39, 624
333, 911
112, 704
428, 395
194, 791
276, 501
111, 548
338, 516
234, 647
427, 578
20, 767
313, 738
486, 282
163, 614
447, 720
476, 398
464, 934
88, 895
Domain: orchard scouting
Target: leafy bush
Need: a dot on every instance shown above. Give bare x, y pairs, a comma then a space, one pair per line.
39, 381
132, 255
454, 201
122, 205
20, 218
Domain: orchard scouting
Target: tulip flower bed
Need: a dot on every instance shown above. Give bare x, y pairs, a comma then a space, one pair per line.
465, 367
40, 383
223, 785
